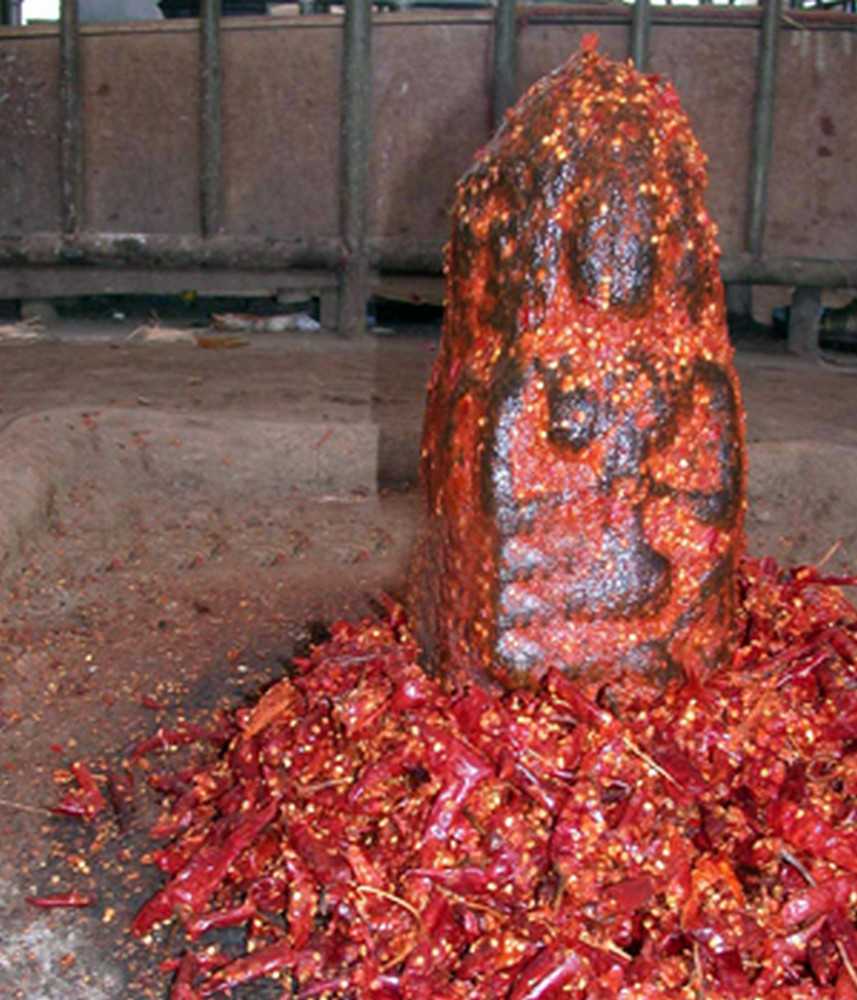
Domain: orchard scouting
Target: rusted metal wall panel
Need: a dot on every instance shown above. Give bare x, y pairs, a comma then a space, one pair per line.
432, 111
29, 135
281, 126
712, 69
812, 205
141, 129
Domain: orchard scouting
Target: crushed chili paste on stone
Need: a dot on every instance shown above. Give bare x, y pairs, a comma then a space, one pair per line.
583, 453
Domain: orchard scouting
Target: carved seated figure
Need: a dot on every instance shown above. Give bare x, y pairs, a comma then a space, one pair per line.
583, 445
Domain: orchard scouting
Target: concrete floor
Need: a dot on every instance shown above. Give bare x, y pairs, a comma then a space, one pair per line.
315, 414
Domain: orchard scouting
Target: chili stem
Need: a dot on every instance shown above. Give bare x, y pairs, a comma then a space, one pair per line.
831, 552
798, 865
846, 961
319, 786
23, 807
607, 946
632, 746
393, 899
697, 965
408, 948
472, 903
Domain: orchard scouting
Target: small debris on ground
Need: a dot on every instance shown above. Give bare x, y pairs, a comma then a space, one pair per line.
280, 323
154, 333
25, 329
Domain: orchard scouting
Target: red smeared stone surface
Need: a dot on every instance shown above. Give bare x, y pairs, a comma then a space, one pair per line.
583, 443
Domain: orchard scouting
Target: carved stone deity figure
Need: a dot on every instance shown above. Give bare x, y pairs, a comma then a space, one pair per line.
583, 448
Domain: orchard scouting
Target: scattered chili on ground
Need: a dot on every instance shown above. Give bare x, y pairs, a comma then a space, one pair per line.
62, 900
377, 836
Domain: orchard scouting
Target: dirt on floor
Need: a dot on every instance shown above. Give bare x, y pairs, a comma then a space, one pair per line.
143, 592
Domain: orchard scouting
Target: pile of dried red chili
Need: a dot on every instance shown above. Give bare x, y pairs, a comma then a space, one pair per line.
377, 837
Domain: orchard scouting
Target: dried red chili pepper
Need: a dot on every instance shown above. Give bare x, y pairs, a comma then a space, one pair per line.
120, 787
640, 883
630, 894
274, 958
86, 800
182, 986
62, 900
170, 739
823, 898
807, 830
192, 887
233, 917
303, 900
548, 974
373, 779
461, 769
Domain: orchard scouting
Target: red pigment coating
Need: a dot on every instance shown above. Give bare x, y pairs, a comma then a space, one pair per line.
583, 446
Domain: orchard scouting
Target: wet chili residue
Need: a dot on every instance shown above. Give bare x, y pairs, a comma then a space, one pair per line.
363, 832
583, 451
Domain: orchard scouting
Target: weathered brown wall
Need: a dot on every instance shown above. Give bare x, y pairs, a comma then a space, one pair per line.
280, 129
29, 124
813, 198
140, 121
432, 108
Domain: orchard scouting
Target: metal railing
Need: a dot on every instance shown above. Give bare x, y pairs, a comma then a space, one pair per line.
352, 254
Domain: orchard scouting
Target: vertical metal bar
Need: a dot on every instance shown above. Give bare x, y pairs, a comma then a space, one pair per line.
763, 124
505, 69
10, 13
71, 120
739, 300
355, 144
641, 25
805, 320
210, 119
